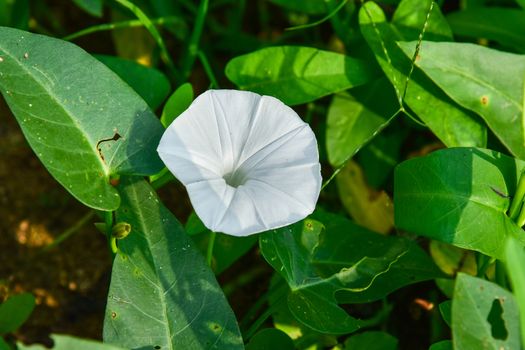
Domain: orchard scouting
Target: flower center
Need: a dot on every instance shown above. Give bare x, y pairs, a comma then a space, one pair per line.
235, 178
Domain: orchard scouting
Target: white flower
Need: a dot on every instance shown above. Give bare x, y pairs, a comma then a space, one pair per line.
249, 163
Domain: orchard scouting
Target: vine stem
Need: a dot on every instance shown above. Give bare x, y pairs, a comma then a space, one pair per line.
70, 231
193, 46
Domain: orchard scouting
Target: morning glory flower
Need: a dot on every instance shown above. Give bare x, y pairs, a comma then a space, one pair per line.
248, 162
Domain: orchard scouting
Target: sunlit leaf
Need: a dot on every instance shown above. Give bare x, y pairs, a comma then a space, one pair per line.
178, 102
453, 125
466, 73
297, 74
458, 196
71, 108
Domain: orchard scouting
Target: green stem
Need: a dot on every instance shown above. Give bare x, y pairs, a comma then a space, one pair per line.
164, 177
207, 68
518, 198
209, 252
322, 20
112, 242
117, 25
193, 46
70, 231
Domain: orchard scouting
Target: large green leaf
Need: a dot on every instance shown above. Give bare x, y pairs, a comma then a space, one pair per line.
484, 316
466, 72
66, 342
449, 122
355, 118
15, 311
162, 293
458, 196
297, 74
503, 25
319, 258
149, 83
66, 103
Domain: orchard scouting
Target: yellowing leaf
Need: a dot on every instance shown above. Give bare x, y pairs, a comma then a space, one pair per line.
368, 207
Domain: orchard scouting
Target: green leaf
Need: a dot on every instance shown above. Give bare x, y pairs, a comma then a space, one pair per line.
445, 308
151, 84
270, 338
297, 74
355, 118
453, 125
466, 73
66, 102
442, 345
371, 340
521, 3
515, 259
410, 17
93, 7
319, 258
503, 25
162, 293
484, 316
4, 345
66, 342
312, 7
178, 102
15, 311
458, 196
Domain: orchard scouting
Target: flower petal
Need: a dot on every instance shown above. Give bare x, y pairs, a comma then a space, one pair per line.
249, 163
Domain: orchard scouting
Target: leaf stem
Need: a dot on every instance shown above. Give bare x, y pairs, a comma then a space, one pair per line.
207, 68
193, 46
70, 231
117, 25
322, 20
209, 252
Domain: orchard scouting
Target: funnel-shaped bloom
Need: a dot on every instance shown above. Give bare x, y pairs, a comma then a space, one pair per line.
249, 163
